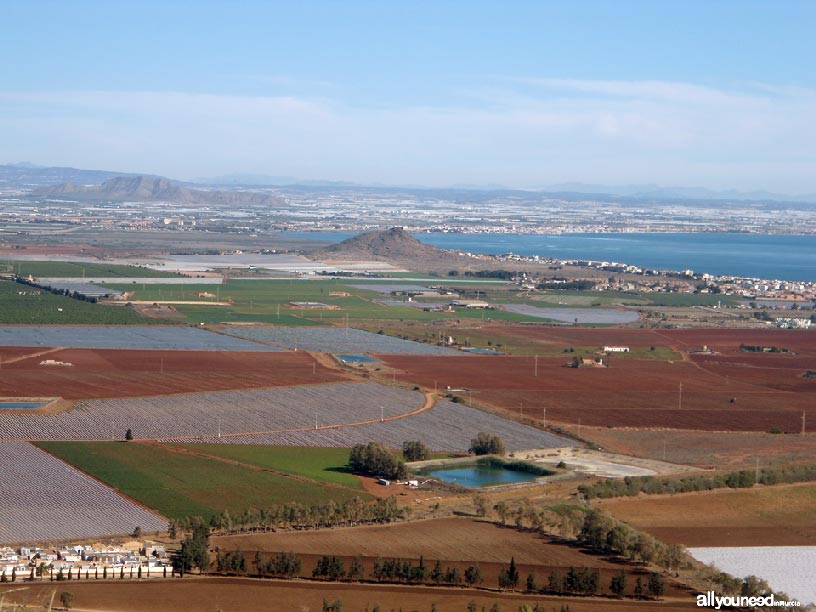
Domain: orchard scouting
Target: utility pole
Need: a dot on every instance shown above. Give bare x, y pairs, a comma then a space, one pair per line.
756, 473
314, 367
664, 449
803, 422
382, 414
315, 420
680, 398
543, 417
219, 428
536, 366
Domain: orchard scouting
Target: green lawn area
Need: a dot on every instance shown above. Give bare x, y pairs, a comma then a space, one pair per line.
44, 308
178, 485
323, 464
70, 269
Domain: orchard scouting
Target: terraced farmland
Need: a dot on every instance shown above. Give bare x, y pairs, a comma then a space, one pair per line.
130, 337
46, 499
337, 340
202, 414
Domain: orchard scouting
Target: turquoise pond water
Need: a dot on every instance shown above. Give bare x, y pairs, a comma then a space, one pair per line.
475, 476
21, 405
355, 358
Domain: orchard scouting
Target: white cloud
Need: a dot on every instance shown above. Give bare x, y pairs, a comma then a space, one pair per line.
529, 132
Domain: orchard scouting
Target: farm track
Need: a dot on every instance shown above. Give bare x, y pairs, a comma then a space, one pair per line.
31, 355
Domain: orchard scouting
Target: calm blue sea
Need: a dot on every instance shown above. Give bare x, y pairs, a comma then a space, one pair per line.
788, 257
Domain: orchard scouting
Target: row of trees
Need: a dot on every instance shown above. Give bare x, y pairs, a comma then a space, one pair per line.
584, 581
66, 292
633, 485
294, 515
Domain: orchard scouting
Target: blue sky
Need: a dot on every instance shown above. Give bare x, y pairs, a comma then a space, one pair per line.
715, 94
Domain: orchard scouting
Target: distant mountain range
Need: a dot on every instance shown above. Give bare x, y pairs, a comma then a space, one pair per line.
25, 175
147, 188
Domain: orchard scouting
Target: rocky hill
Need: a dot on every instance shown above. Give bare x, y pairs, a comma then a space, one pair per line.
149, 188
392, 245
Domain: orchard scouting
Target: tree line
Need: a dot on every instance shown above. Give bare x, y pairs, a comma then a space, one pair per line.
293, 515
651, 485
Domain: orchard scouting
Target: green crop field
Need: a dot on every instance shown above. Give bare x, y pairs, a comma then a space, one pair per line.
268, 301
514, 345
45, 308
69, 269
178, 485
322, 464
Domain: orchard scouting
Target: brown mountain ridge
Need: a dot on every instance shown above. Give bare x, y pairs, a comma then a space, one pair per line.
392, 245
149, 188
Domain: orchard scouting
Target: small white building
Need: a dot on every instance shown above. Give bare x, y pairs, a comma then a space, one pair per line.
616, 349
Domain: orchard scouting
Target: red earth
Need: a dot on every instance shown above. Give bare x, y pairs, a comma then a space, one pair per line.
98, 373
733, 391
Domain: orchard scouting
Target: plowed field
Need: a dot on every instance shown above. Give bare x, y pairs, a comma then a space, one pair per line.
107, 373
715, 395
781, 515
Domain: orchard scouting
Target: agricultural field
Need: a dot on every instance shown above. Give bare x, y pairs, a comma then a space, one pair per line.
724, 450
447, 539
269, 301
336, 340
105, 373
320, 464
453, 541
566, 314
179, 484
730, 391
447, 427
69, 269
204, 415
517, 340
346, 414
779, 515
47, 308
132, 337
250, 595
45, 499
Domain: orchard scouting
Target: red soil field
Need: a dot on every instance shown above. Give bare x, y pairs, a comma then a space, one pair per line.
629, 393
453, 541
729, 451
193, 594
98, 373
780, 515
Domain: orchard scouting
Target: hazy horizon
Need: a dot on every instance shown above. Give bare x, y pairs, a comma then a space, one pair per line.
523, 95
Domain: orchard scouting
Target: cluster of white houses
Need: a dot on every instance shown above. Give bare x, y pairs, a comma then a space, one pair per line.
133, 559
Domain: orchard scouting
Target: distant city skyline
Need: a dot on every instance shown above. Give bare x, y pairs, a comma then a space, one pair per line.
522, 94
